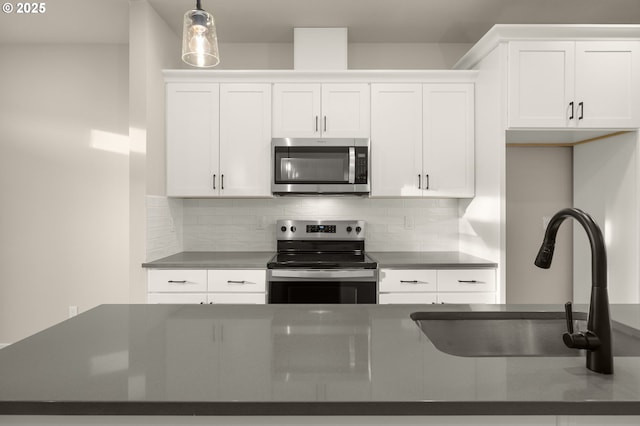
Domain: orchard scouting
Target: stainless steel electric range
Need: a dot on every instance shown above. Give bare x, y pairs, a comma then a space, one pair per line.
322, 262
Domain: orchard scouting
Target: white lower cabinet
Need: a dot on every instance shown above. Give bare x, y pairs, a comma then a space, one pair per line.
437, 286
215, 286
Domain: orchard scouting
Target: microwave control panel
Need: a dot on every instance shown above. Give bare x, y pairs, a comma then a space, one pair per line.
362, 164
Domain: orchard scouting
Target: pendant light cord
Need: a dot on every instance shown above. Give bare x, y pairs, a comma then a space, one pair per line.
198, 5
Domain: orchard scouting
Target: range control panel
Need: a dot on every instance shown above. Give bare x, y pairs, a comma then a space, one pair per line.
320, 229
329, 229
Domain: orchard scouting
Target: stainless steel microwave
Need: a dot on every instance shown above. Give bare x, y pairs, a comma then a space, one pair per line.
320, 166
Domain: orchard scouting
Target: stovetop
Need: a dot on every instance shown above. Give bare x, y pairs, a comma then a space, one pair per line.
321, 244
322, 260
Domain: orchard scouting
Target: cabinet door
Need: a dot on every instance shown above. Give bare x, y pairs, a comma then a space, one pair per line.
407, 280
245, 139
345, 110
467, 280
396, 140
237, 280
192, 139
541, 83
448, 140
296, 110
177, 280
608, 84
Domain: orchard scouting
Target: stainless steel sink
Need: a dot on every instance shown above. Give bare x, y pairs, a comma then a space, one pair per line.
511, 334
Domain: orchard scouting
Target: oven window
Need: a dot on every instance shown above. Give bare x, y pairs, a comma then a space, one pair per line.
322, 292
311, 165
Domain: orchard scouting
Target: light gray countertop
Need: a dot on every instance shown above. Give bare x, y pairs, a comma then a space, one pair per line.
213, 260
293, 360
259, 259
429, 260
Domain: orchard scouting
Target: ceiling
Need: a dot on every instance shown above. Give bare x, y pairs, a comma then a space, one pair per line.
246, 21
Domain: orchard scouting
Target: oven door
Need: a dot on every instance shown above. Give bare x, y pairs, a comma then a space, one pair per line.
320, 166
344, 286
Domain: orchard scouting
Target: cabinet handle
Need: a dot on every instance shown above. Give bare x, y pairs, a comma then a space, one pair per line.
426, 178
214, 181
325, 124
571, 105
409, 281
177, 281
468, 281
316, 123
581, 106
237, 282
221, 181
419, 181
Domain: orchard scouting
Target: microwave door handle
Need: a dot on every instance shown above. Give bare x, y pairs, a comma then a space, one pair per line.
352, 164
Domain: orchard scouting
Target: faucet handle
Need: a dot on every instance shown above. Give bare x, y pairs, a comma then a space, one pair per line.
569, 316
580, 340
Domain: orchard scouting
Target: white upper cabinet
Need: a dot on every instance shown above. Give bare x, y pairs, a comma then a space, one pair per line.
192, 139
321, 110
422, 140
245, 139
608, 83
569, 84
448, 140
540, 83
218, 136
396, 140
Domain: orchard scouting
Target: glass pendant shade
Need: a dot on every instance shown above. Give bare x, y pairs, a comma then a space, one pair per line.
199, 40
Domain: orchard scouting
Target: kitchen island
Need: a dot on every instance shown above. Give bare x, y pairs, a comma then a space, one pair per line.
367, 364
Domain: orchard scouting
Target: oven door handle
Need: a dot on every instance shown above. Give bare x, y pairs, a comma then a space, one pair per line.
323, 273
352, 164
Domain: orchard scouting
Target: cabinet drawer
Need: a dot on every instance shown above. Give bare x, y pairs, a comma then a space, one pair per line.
179, 298
467, 280
466, 298
178, 280
237, 281
407, 298
407, 280
241, 298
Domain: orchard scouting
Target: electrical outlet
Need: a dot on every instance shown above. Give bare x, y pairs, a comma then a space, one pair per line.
261, 223
73, 311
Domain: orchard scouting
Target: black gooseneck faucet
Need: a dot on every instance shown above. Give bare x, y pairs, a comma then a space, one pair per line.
597, 339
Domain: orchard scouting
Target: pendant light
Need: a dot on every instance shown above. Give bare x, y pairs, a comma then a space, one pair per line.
199, 40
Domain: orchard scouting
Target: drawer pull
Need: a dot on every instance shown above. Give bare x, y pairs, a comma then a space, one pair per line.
177, 282
409, 282
469, 281
232, 282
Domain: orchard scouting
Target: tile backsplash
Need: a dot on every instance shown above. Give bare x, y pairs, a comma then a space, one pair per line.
249, 224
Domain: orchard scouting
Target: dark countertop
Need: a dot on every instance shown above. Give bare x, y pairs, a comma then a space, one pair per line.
259, 259
213, 260
292, 360
429, 260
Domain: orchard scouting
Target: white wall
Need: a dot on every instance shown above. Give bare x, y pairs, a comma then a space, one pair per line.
606, 186
152, 47
64, 182
360, 55
539, 183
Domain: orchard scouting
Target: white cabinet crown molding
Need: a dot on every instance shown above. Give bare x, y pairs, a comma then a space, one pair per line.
320, 76
500, 33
